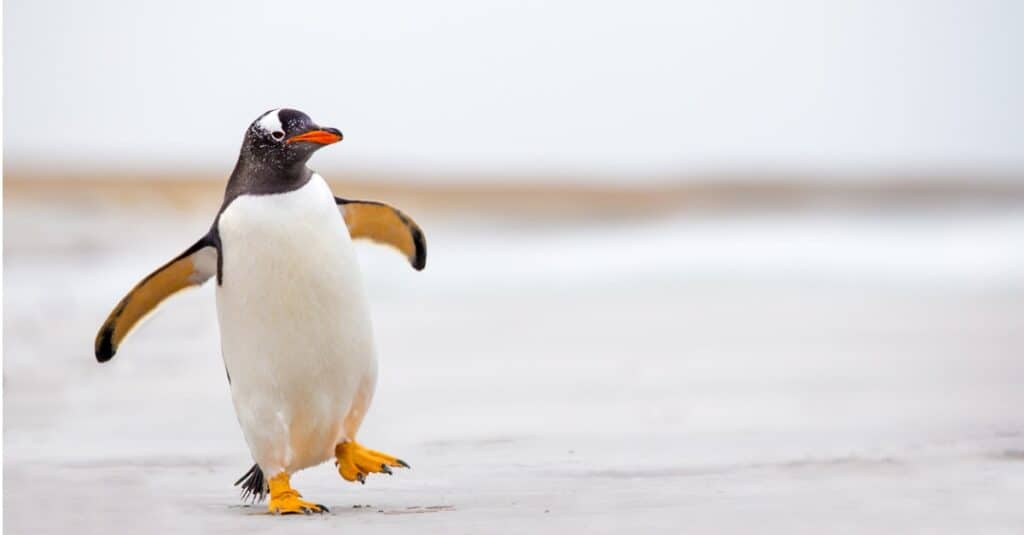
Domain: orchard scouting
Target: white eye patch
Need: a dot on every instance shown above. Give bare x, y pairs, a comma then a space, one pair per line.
271, 122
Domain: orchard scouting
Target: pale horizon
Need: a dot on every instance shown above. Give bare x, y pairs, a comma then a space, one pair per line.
567, 88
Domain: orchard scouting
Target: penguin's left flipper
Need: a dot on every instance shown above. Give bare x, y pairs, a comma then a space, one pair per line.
191, 268
385, 224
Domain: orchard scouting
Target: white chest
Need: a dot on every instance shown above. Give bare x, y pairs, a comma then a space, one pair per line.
295, 328
283, 244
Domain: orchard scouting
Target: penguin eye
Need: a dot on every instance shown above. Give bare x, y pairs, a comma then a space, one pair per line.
278, 135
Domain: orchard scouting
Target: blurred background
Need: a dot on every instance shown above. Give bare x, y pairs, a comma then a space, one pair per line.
691, 264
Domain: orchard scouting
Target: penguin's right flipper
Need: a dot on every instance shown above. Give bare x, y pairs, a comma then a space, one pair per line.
191, 268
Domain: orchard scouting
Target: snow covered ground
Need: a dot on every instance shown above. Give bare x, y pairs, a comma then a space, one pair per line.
785, 372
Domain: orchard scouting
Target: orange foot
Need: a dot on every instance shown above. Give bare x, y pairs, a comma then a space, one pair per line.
284, 500
355, 461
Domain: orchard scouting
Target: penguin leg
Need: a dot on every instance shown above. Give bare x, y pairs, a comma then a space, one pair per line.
355, 461
284, 500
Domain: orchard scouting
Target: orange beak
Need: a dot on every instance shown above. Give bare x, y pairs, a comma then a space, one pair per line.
323, 137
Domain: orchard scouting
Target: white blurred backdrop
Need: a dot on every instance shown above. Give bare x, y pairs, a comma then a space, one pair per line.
693, 266
634, 88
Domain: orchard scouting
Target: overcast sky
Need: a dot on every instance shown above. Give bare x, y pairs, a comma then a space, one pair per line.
575, 86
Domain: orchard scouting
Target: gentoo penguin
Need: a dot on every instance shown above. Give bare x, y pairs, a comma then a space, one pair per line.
294, 321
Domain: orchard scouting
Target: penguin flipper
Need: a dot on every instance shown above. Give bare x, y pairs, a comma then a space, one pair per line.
191, 268
385, 224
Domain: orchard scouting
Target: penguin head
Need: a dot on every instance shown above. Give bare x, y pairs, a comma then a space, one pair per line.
284, 137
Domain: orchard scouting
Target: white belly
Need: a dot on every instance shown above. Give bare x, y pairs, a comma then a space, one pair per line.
295, 328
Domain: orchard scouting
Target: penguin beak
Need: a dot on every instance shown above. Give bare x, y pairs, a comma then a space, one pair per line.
320, 136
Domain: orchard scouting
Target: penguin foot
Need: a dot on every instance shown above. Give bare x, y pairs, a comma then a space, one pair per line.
284, 500
355, 462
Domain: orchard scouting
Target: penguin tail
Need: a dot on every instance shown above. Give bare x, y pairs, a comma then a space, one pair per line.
254, 485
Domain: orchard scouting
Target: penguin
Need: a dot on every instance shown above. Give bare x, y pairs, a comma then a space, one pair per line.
296, 336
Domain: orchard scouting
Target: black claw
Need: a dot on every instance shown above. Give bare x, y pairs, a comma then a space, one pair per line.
403, 463
323, 508
361, 478
384, 468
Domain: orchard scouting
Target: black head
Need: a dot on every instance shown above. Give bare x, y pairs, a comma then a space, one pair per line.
284, 138
274, 153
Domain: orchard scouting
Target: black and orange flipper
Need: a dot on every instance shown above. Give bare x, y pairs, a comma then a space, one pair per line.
191, 268
386, 225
